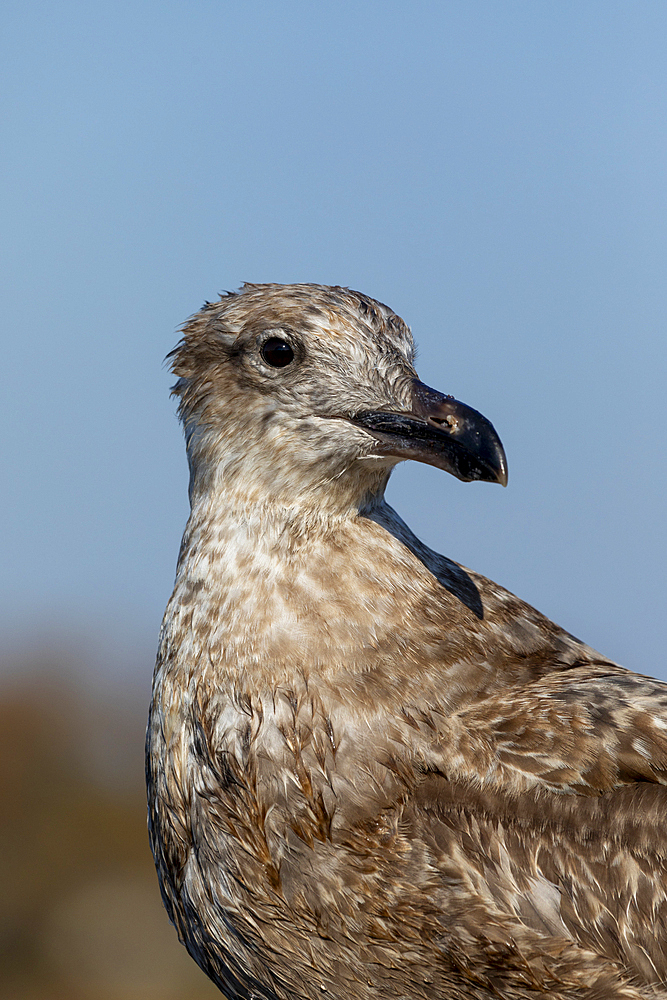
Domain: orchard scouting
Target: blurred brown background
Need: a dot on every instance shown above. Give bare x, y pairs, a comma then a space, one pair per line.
81, 914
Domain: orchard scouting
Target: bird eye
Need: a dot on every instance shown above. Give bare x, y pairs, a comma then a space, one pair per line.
277, 352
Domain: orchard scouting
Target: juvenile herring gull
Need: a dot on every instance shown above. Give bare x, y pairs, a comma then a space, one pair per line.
373, 773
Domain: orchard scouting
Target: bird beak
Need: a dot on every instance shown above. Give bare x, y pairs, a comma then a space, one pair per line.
440, 431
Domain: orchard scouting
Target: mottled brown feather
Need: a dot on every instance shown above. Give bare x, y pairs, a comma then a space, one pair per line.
373, 772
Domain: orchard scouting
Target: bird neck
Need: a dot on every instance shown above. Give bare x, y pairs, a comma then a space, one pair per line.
274, 587
289, 506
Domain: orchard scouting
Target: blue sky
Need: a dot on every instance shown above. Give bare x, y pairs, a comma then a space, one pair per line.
494, 171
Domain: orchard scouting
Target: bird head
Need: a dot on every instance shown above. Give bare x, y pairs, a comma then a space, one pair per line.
306, 393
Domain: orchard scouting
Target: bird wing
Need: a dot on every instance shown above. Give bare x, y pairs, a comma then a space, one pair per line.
548, 816
533, 874
587, 730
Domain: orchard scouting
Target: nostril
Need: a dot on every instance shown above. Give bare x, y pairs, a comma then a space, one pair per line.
449, 421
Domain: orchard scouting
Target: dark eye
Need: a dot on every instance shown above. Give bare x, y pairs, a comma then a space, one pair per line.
277, 352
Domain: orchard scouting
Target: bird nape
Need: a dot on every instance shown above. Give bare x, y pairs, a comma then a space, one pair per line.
373, 773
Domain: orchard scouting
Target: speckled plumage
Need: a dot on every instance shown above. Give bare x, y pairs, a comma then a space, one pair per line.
373, 773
